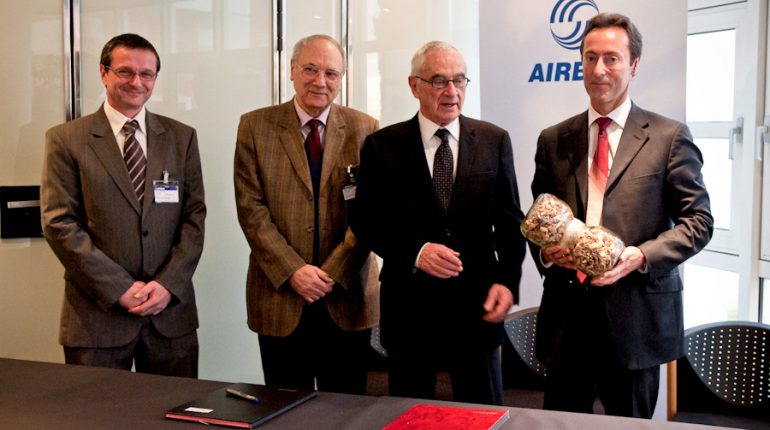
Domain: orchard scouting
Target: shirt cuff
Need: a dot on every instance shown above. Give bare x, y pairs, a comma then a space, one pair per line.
545, 264
417, 260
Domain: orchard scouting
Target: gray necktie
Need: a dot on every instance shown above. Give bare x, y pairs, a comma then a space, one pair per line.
442, 170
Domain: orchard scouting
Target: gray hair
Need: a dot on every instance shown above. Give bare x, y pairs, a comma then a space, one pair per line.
418, 60
300, 45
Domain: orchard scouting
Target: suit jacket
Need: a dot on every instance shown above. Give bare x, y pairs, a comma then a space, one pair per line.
92, 221
396, 213
655, 200
274, 198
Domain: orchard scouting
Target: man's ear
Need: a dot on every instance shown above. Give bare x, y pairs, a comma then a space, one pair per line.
413, 85
635, 65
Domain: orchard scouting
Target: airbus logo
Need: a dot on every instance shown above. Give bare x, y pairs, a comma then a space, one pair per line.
568, 21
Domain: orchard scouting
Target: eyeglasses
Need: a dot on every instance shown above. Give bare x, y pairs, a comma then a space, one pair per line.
442, 82
310, 72
129, 74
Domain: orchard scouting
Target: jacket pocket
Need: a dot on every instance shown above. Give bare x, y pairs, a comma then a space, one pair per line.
668, 283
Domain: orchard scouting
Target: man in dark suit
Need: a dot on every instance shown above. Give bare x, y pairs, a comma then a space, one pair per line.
607, 336
451, 248
128, 227
312, 291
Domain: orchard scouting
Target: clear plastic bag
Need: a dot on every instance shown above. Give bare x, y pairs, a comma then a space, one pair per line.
550, 222
546, 220
596, 250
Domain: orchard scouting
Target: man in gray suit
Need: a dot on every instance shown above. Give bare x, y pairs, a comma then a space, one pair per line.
123, 209
312, 291
607, 336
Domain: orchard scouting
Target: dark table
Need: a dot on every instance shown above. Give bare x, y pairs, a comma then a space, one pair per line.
36, 395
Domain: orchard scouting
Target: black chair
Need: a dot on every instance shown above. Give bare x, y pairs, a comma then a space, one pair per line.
523, 374
377, 379
724, 378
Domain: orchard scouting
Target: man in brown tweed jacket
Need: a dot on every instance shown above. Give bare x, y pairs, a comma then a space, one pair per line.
311, 290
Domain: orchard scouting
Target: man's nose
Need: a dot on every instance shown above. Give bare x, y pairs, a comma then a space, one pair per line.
320, 79
601, 67
450, 88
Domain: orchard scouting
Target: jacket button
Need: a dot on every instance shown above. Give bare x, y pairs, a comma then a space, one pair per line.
145, 233
310, 229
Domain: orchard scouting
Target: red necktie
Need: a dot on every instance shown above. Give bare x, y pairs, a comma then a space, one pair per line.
597, 178
313, 142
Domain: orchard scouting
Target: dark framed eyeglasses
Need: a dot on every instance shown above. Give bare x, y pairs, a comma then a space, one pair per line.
442, 82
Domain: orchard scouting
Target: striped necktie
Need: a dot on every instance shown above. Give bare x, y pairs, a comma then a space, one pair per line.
134, 158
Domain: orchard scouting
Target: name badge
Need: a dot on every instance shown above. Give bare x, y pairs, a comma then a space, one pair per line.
166, 191
349, 192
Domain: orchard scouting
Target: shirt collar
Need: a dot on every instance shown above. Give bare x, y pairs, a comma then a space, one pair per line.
117, 119
304, 117
619, 115
428, 128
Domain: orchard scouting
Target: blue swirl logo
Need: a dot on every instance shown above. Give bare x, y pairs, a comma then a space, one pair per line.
568, 21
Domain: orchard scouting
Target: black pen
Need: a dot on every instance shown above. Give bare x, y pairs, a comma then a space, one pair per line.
242, 395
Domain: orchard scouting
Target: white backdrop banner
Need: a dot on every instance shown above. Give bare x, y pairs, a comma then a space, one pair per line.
531, 73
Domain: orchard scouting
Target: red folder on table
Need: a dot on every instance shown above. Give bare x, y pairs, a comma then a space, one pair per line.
432, 417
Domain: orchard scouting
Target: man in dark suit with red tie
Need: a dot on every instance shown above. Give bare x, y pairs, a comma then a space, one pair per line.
639, 175
437, 200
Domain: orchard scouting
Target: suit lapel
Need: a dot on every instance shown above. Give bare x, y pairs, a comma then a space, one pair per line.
291, 138
335, 137
634, 136
156, 157
467, 148
414, 152
574, 143
105, 147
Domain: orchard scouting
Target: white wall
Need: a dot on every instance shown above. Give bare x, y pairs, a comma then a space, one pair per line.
31, 284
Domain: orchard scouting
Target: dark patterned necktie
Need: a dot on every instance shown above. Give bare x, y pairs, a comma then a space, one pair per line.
313, 142
442, 170
134, 158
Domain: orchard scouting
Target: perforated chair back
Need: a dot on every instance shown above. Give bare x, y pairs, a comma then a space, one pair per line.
520, 328
733, 360
374, 341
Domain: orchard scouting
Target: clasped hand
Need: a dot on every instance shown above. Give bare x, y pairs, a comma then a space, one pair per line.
144, 299
311, 283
